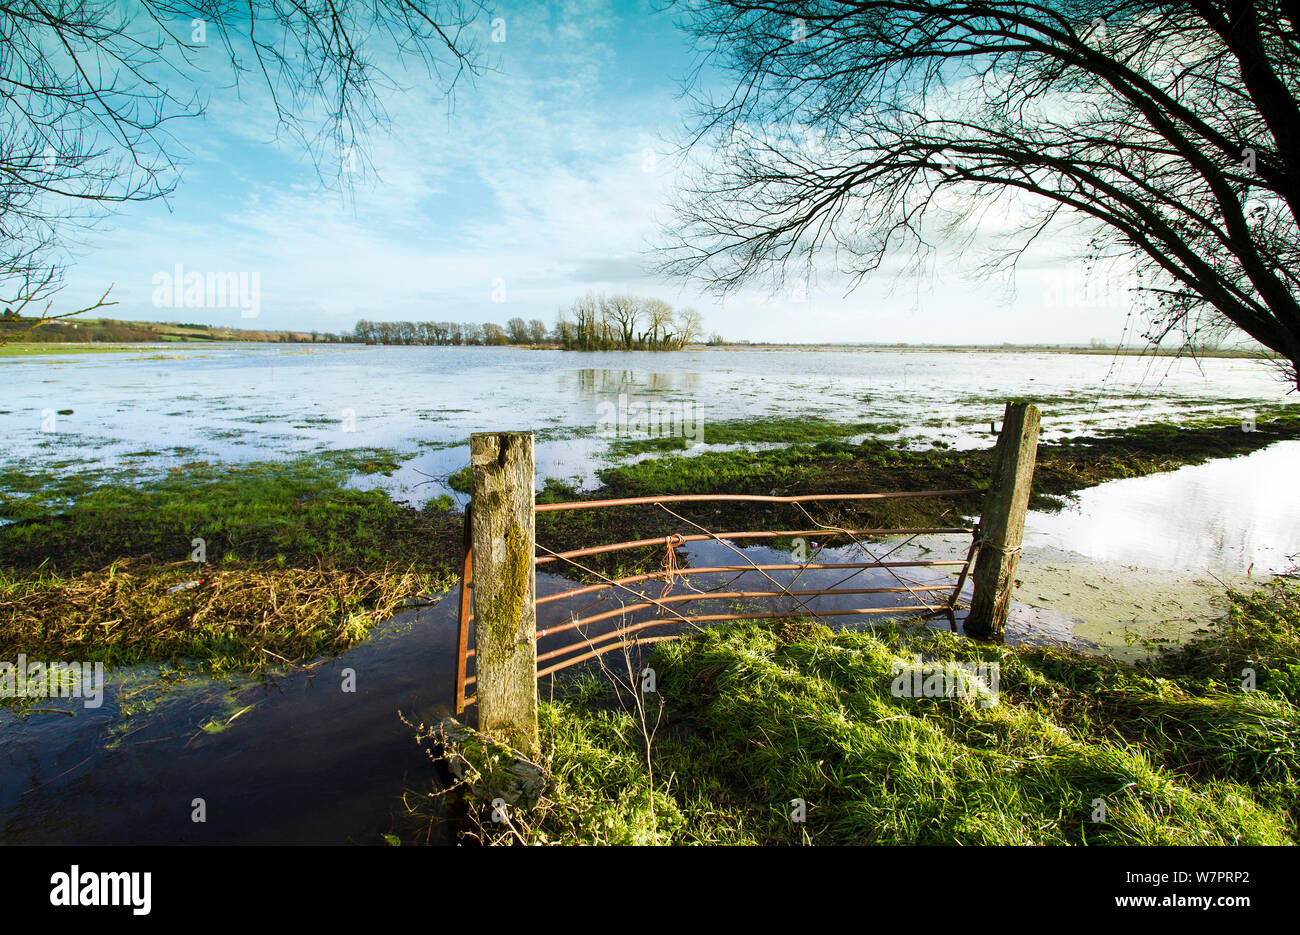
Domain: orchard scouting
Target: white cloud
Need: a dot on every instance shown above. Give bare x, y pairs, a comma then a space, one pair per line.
537, 177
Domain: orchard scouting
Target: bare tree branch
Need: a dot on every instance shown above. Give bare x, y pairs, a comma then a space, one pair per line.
1170, 131
92, 90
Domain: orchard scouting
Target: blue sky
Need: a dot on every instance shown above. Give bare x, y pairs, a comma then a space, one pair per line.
548, 178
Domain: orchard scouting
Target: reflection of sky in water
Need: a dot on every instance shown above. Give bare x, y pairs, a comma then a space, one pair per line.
176, 403
1221, 516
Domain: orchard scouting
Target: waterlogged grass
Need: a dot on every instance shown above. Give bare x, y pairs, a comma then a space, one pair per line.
751, 717
29, 350
800, 430
295, 512
234, 566
88, 555
240, 615
1063, 466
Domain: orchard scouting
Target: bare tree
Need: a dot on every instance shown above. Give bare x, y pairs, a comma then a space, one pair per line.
658, 319
92, 91
1168, 131
517, 330
690, 326
622, 312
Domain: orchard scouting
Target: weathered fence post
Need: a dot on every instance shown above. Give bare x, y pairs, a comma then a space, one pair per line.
1002, 525
502, 537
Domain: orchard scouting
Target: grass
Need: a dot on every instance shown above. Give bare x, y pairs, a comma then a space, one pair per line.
288, 512
86, 332
294, 562
752, 717
1063, 466
241, 616
32, 350
801, 430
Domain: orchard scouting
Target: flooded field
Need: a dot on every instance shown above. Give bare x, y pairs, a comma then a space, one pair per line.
1125, 565
146, 410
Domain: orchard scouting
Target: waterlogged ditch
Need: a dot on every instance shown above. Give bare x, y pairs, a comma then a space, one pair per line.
287, 754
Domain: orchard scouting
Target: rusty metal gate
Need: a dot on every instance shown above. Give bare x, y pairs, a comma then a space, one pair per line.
928, 600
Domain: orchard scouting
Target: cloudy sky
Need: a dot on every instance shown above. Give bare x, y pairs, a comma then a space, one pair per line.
546, 179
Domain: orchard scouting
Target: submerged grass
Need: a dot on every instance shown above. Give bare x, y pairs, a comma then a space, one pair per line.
246, 565
783, 430
755, 716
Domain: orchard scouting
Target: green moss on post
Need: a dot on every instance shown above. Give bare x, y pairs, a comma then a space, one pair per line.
1002, 525
505, 615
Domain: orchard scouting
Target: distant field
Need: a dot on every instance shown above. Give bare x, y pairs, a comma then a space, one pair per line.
86, 331
88, 334
19, 349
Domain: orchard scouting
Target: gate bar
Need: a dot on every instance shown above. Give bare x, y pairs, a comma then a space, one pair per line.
677, 538
751, 498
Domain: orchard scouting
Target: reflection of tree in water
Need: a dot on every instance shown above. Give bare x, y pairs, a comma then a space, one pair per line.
599, 381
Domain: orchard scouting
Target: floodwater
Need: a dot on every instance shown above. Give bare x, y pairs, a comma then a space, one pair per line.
1226, 516
297, 759
166, 405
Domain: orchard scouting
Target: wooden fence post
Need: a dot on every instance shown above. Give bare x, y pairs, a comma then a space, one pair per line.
502, 538
1002, 525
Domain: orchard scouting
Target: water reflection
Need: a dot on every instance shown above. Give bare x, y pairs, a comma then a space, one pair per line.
1224, 516
593, 381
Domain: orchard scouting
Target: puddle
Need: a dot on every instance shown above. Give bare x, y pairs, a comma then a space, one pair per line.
306, 764
1149, 558
1224, 517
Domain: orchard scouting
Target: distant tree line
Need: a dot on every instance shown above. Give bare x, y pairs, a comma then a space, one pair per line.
516, 331
591, 323
626, 323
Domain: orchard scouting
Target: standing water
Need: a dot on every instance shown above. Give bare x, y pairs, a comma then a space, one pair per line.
296, 759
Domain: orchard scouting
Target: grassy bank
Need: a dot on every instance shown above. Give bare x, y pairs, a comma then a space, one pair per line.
749, 717
29, 332
294, 563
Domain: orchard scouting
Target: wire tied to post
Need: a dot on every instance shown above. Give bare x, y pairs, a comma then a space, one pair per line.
1002, 549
